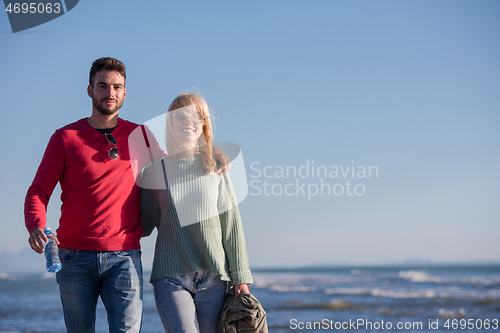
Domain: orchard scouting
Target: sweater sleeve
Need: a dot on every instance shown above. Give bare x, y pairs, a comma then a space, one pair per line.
233, 238
46, 178
150, 208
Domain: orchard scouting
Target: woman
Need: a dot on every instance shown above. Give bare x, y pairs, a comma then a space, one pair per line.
200, 245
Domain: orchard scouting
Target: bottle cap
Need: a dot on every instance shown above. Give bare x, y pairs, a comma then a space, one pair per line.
47, 231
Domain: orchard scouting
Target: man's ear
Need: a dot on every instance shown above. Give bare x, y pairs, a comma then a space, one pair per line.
89, 90
124, 92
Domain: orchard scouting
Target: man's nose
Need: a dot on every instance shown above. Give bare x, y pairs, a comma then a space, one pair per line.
110, 91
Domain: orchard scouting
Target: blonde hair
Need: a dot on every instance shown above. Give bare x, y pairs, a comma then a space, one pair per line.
204, 147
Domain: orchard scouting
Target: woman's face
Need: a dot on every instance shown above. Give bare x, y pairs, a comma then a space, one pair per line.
186, 124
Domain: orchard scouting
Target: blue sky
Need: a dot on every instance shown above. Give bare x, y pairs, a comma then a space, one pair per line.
409, 87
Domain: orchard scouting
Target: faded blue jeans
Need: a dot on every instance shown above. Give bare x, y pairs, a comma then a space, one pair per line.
115, 276
191, 302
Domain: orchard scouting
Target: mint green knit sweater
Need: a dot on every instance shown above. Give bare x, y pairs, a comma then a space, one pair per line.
198, 221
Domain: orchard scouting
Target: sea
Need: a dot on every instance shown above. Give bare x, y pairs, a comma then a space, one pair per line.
433, 298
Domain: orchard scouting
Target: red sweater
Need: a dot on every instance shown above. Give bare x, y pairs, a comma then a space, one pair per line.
100, 199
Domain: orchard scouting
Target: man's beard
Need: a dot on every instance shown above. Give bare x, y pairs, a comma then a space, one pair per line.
105, 111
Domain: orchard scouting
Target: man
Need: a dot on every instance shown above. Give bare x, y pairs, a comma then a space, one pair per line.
100, 224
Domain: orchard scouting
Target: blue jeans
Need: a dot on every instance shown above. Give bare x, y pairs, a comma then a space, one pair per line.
116, 276
190, 302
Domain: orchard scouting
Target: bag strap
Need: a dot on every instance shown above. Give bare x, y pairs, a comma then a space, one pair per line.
152, 159
147, 144
165, 176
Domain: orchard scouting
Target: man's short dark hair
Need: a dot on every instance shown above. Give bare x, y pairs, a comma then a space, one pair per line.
106, 64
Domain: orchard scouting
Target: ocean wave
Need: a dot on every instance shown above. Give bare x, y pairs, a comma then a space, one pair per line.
478, 281
429, 293
488, 300
359, 272
483, 297
397, 284
447, 314
266, 280
29, 276
419, 276
334, 305
5, 276
286, 289
48, 275
347, 291
390, 293
422, 276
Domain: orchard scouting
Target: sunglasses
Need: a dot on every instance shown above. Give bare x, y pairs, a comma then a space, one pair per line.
113, 152
180, 118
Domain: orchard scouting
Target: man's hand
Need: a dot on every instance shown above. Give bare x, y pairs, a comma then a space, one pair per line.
36, 240
223, 159
240, 289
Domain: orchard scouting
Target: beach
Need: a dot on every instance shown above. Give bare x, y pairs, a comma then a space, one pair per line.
365, 299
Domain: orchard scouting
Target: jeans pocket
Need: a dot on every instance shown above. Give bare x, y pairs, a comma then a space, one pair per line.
68, 255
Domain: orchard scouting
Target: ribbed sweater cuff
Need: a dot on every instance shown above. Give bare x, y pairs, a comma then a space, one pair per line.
241, 277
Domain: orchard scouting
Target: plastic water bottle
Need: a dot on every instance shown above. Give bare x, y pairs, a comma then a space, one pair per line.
51, 252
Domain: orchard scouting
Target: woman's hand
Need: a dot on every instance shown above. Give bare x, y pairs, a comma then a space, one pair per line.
240, 289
